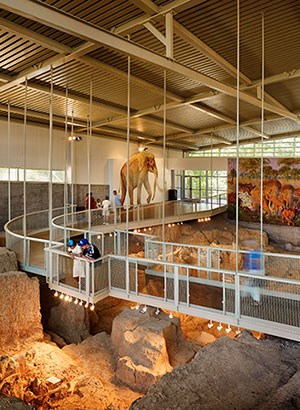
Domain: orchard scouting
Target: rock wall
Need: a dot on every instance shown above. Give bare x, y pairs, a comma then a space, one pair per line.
8, 261
20, 318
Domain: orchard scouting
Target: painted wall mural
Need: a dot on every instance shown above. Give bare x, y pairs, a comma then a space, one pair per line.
280, 190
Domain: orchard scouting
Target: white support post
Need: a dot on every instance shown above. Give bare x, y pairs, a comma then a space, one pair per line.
109, 274
136, 279
87, 280
176, 287
127, 277
188, 287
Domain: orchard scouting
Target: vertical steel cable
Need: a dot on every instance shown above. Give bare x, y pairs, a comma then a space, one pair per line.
128, 150
164, 155
72, 159
262, 127
66, 167
8, 161
89, 138
24, 170
50, 151
237, 295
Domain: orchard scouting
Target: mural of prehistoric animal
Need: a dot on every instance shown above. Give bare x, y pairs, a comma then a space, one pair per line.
278, 195
288, 215
139, 166
271, 190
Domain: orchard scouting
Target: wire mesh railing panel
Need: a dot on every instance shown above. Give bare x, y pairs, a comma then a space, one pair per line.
101, 281
133, 278
283, 266
16, 245
270, 300
229, 292
151, 280
36, 254
183, 286
118, 274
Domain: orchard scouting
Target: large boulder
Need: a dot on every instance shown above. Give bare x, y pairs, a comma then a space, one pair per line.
8, 261
20, 317
70, 322
242, 374
148, 346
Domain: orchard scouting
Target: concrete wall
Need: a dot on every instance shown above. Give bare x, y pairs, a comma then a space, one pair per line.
37, 197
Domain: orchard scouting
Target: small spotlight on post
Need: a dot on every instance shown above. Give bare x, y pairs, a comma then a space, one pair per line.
61, 296
220, 327
228, 329
210, 325
171, 315
56, 294
92, 307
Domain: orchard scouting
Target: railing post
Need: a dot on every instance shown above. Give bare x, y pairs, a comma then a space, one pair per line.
109, 274
93, 280
87, 279
176, 287
136, 279
127, 277
208, 261
188, 287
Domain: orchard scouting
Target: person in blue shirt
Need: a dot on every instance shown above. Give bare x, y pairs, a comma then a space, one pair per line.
118, 205
253, 266
89, 251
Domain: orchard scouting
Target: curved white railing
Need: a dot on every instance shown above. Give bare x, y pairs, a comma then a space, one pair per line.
28, 237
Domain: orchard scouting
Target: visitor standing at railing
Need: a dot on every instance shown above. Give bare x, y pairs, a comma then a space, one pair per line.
76, 251
254, 266
99, 203
106, 205
118, 205
89, 250
89, 202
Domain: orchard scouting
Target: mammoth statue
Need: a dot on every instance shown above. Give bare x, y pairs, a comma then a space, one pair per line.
139, 166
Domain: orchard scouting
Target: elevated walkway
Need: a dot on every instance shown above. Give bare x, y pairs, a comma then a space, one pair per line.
137, 267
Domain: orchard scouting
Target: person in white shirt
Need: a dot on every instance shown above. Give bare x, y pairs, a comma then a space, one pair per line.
106, 204
78, 265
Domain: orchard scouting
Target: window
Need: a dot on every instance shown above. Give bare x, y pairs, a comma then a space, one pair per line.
32, 175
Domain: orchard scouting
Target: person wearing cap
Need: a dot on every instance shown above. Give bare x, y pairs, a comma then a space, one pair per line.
71, 246
78, 265
90, 251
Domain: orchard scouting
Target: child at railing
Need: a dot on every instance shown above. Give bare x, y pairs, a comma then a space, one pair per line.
75, 251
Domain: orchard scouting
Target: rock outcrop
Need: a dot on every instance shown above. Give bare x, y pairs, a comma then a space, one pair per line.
20, 318
70, 322
148, 345
8, 261
232, 374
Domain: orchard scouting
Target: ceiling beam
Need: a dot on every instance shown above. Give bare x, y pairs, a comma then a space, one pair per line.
139, 21
146, 5
199, 45
59, 20
286, 75
44, 67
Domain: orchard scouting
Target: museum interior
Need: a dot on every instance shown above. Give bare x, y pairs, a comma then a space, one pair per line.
150, 204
